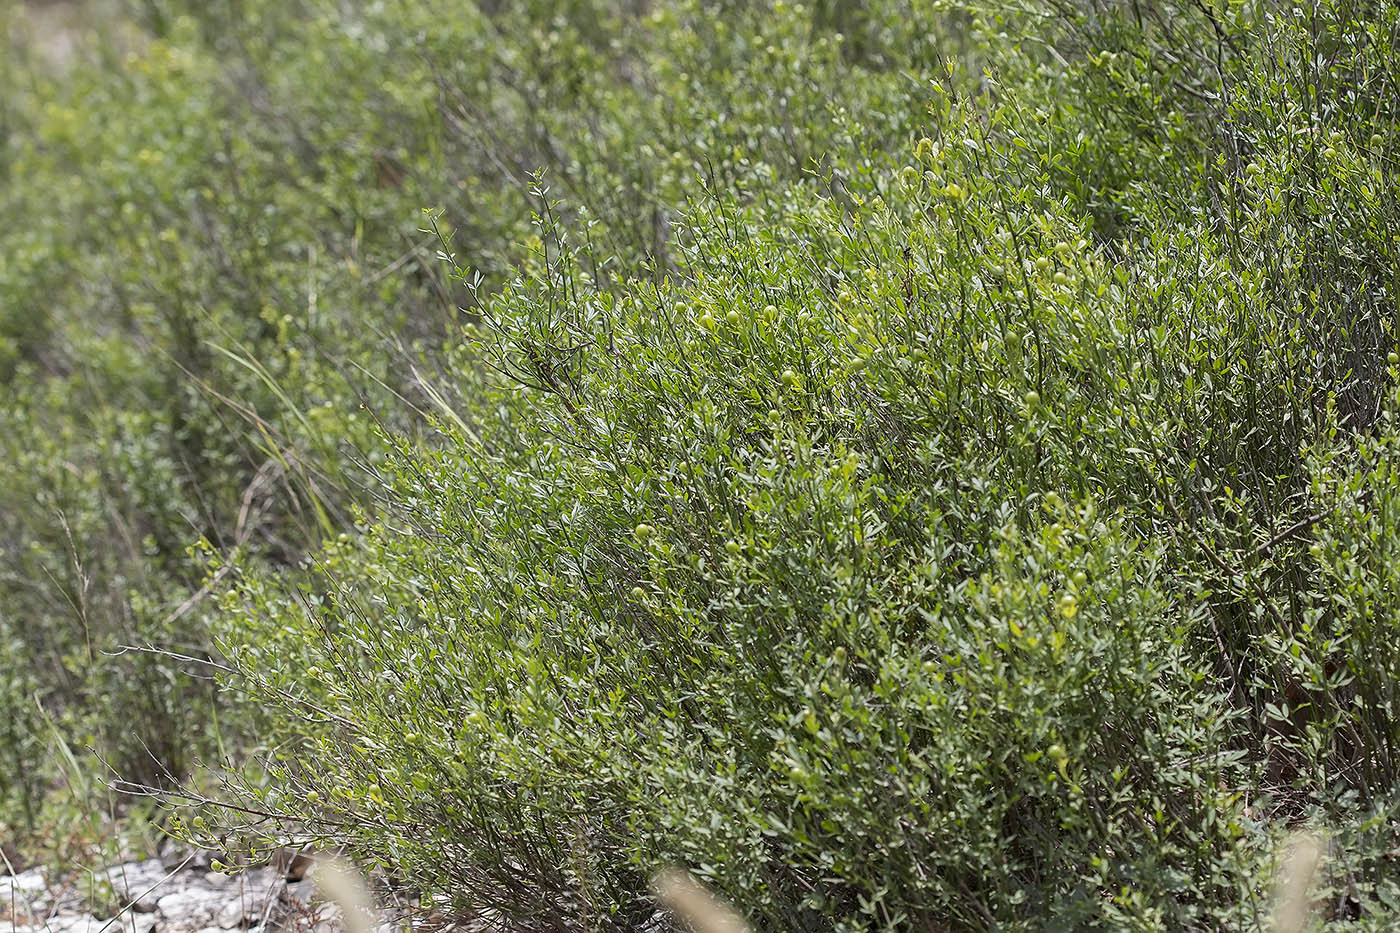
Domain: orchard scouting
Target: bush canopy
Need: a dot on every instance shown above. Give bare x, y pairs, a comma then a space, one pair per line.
912, 465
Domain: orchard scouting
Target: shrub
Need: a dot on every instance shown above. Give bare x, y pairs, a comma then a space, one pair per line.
762, 581
927, 548
211, 274
912, 467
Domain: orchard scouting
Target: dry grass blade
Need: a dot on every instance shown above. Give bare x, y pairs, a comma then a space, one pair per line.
343, 884
1292, 907
695, 904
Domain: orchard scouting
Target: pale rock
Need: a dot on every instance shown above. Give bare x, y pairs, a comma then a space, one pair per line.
27, 891
128, 922
142, 882
189, 910
67, 923
32, 881
188, 901
240, 912
140, 923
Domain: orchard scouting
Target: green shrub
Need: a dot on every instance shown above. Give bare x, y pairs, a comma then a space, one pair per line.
931, 546
212, 279
912, 466
737, 582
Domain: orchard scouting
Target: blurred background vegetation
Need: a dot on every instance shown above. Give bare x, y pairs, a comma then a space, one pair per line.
915, 464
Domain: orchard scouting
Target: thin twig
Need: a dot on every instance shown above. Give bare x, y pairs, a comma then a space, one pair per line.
132, 904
